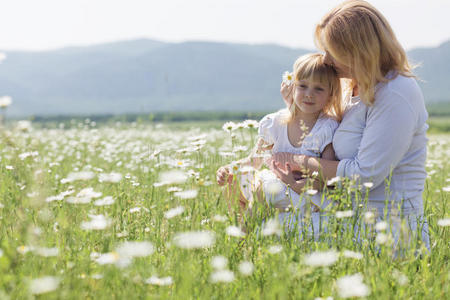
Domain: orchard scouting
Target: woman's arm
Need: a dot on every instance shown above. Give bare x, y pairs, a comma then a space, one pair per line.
390, 126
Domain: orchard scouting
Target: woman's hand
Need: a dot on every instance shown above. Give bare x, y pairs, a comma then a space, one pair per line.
287, 93
224, 175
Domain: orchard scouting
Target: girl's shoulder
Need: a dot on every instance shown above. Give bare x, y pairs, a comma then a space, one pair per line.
321, 135
274, 119
270, 126
325, 122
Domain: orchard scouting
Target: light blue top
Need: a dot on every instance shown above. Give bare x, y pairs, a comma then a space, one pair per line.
389, 136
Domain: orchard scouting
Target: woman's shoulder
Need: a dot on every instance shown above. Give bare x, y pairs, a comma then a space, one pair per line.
400, 90
400, 85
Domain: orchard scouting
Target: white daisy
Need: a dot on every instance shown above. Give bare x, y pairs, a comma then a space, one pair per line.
352, 286
44, 285
288, 78
321, 258
194, 239
246, 268
219, 262
224, 276
234, 231
174, 212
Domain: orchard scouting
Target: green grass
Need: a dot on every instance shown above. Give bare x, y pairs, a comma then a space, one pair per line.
439, 124
140, 152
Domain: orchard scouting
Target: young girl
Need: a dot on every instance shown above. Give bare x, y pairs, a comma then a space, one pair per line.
307, 127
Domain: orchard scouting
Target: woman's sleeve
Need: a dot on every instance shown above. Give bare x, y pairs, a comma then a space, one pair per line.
267, 128
390, 126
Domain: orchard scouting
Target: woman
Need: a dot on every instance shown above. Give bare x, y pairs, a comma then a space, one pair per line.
381, 140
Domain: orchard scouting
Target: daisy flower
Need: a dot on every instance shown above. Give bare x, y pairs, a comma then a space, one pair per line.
288, 78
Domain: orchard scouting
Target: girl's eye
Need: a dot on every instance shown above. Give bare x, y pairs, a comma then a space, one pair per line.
319, 89
303, 86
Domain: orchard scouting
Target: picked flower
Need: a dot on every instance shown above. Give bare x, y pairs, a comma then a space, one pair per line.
288, 78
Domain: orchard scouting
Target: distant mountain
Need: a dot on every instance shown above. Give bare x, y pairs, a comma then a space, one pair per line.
149, 76
433, 71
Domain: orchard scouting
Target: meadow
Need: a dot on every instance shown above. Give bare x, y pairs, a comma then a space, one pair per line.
131, 210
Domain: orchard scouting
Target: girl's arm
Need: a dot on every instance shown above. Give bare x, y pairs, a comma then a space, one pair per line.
286, 92
256, 157
316, 184
255, 160
326, 168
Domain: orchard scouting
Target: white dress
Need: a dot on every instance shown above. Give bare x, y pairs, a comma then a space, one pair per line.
273, 130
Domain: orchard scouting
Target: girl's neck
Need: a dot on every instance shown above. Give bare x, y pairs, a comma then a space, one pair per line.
305, 117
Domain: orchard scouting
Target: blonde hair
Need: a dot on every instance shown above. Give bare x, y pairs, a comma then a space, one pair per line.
312, 67
357, 35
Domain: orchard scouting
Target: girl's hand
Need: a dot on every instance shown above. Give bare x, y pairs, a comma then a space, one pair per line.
287, 93
223, 175
283, 158
285, 174
288, 177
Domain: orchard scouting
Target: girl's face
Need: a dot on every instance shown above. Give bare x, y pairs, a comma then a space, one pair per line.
311, 97
342, 70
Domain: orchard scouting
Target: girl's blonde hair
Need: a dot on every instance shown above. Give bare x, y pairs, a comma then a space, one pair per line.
311, 67
358, 36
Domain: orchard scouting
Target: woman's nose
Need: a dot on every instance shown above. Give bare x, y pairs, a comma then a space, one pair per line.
327, 59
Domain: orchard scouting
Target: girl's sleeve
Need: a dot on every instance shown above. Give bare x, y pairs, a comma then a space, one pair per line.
267, 129
327, 132
390, 127
321, 137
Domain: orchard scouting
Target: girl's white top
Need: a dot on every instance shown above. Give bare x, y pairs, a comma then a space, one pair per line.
385, 144
273, 130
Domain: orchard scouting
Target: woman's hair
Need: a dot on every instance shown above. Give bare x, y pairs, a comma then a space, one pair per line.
312, 67
358, 36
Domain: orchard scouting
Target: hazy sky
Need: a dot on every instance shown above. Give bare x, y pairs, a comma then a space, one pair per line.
48, 24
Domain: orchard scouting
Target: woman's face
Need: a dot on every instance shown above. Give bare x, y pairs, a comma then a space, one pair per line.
342, 70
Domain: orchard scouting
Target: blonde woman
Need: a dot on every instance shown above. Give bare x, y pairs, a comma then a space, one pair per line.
381, 140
